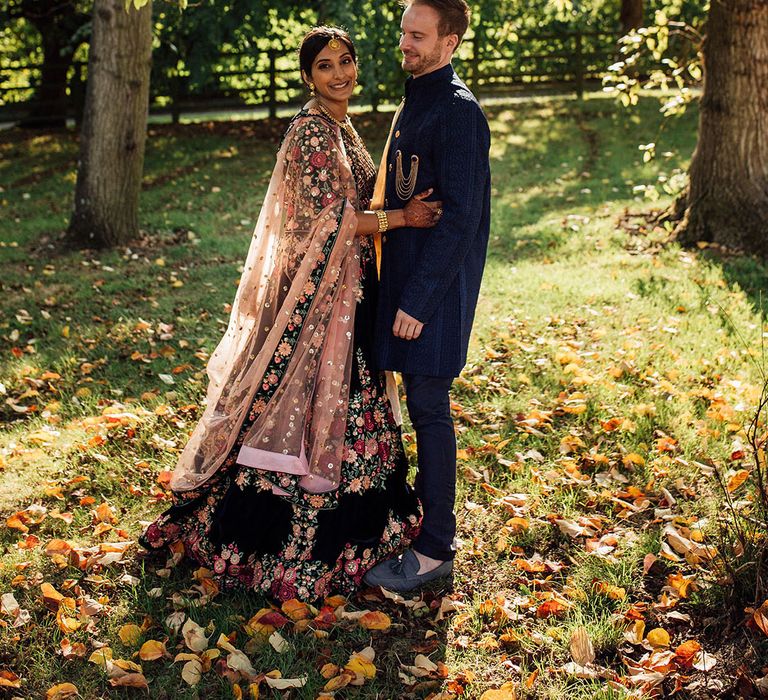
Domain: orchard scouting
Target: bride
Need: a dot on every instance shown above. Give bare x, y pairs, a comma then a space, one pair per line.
294, 481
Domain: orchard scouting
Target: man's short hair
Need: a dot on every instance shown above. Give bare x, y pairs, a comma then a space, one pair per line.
454, 15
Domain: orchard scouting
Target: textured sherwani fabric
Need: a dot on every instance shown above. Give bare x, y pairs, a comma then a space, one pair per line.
434, 274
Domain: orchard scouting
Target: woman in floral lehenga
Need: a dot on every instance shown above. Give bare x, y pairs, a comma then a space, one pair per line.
294, 480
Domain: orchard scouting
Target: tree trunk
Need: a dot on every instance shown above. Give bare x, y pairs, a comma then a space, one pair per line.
57, 23
727, 198
631, 15
114, 127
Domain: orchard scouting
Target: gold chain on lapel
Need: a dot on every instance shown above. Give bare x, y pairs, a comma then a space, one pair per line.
406, 185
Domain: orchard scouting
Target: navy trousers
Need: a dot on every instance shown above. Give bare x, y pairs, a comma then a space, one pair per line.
429, 408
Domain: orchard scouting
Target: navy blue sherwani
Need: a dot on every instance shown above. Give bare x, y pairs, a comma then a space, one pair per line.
434, 275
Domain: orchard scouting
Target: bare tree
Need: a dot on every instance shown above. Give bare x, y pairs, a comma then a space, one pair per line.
114, 126
727, 198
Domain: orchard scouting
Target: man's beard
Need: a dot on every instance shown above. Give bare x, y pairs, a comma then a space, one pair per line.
424, 63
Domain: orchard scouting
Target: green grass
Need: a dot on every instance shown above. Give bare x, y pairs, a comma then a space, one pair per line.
585, 316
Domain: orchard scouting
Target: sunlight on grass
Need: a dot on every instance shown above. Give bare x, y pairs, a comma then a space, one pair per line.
609, 372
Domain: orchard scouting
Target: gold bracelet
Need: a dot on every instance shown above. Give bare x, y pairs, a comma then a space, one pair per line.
381, 215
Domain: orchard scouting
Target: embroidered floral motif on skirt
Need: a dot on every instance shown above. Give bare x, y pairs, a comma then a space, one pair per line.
304, 545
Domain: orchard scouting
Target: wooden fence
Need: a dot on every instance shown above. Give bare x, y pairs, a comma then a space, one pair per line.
564, 62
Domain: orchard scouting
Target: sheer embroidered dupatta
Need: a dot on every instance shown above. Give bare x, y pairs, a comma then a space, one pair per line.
290, 329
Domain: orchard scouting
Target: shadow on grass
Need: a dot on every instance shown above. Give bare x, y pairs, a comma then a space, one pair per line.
750, 274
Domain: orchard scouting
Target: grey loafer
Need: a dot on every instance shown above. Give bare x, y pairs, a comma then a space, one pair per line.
400, 575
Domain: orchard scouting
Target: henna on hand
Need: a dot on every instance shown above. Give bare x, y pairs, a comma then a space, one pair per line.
421, 214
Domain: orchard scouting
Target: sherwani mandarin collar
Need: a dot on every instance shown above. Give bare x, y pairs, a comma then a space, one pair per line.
415, 86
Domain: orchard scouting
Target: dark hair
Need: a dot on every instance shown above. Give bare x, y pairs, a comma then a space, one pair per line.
454, 15
315, 40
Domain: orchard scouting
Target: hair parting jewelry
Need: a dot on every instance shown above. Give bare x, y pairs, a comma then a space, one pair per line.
334, 44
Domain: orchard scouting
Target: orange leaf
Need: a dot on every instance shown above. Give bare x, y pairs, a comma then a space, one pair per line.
29, 542
375, 621
8, 679
58, 547
152, 650
506, 692
51, 597
70, 651
296, 610
335, 601
551, 608
104, 514
686, 653
129, 680
16, 521
63, 691
737, 480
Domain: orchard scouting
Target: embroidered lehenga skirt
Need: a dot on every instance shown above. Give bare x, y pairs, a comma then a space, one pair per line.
297, 544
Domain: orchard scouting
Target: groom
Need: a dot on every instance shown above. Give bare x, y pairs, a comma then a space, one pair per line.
430, 278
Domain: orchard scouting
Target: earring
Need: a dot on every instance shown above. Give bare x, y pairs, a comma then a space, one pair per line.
312, 89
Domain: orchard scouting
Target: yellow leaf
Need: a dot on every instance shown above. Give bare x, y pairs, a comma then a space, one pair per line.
613, 592
338, 682
152, 650
506, 692
375, 621
65, 332
63, 691
518, 525
658, 637
65, 616
362, 663
130, 635
100, 657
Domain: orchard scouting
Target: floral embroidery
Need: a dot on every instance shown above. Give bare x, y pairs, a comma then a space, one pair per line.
374, 467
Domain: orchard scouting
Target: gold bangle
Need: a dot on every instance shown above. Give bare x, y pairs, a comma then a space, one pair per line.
383, 219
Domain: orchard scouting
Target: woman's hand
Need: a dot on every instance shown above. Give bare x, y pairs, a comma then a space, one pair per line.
421, 214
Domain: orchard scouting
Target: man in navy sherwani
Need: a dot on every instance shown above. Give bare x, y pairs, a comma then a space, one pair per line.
430, 278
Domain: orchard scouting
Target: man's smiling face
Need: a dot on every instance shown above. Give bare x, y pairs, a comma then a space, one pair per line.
422, 48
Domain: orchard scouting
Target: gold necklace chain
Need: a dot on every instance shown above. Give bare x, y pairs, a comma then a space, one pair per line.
346, 124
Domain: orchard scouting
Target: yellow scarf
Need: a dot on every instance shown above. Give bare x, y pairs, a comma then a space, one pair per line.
377, 201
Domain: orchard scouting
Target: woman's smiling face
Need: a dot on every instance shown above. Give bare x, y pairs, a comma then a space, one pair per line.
334, 73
